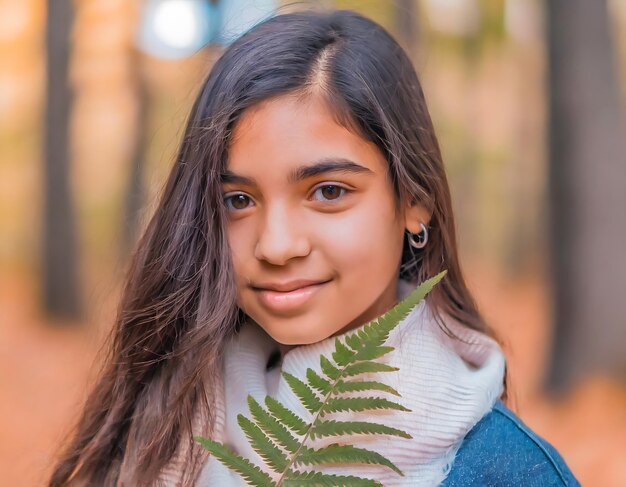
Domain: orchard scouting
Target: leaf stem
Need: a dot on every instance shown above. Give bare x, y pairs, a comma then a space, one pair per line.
308, 433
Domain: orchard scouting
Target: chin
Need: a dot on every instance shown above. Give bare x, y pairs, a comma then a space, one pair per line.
301, 338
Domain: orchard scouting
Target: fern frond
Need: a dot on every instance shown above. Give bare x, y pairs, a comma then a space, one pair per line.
336, 453
317, 479
342, 354
367, 367
371, 353
376, 332
272, 426
250, 472
358, 404
307, 397
286, 416
318, 382
335, 428
363, 385
271, 432
262, 444
329, 369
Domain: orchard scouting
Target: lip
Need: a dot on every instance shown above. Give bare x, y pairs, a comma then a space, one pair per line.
286, 286
282, 301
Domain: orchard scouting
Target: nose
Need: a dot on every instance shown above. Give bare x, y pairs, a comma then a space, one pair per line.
280, 237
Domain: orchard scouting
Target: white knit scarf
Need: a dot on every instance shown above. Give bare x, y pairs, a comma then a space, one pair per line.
449, 384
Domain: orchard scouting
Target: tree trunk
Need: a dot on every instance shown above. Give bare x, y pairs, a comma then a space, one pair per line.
135, 193
587, 194
60, 274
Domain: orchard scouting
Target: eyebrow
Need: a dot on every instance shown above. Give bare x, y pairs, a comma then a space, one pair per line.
303, 172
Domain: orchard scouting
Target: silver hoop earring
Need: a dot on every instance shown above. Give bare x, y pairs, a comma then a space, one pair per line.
423, 237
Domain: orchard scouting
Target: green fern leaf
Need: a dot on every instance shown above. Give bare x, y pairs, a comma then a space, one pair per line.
329, 369
338, 404
272, 426
342, 354
250, 472
317, 479
263, 445
364, 385
271, 434
336, 453
371, 353
307, 397
377, 332
288, 418
335, 428
367, 367
353, 342
318, 382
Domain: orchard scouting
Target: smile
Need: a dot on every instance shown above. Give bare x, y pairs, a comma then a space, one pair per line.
281, 301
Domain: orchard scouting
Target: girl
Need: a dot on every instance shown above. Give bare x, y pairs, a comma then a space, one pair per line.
308, 196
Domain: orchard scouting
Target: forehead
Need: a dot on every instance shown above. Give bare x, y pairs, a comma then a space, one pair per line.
277, 134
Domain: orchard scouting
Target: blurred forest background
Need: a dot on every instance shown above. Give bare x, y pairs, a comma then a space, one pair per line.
527, 97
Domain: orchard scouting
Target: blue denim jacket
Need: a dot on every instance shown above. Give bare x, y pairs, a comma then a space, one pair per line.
502, 451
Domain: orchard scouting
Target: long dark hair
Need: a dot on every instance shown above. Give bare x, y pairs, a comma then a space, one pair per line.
179, 302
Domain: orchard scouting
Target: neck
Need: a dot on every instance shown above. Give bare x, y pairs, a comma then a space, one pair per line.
285, 348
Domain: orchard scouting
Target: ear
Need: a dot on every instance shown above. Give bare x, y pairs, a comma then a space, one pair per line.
414, 215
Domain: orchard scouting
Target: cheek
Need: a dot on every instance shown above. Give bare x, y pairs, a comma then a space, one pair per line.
239, 252
368, 234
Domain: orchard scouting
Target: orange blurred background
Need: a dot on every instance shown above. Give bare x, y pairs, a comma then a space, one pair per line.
484, 65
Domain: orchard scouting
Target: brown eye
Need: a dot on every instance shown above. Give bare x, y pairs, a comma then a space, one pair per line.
331, 192
238, 202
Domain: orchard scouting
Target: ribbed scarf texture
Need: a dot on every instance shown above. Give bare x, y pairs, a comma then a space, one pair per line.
448, 383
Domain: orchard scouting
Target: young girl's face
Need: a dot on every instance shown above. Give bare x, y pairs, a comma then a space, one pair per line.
311, 214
